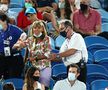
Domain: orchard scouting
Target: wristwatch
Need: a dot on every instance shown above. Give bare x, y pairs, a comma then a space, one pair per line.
58, 56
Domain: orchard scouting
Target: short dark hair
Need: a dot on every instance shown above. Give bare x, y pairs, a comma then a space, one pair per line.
4, 17
73, 65
68, 23
8, 86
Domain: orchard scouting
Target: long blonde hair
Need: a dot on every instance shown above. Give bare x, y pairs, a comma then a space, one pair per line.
40, 24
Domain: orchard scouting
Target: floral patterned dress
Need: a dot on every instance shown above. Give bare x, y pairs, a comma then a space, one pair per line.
39, 48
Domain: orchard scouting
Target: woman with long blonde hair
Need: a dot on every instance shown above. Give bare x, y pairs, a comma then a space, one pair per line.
39, 50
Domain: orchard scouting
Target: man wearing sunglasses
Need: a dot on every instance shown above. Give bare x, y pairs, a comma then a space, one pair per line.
73, 50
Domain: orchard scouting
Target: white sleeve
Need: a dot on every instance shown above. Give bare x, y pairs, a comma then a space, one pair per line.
83, 87
23, 36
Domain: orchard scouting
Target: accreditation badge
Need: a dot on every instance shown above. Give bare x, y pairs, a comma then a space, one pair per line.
7, 51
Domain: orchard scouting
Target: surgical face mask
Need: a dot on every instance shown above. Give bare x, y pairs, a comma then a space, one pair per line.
27, 5
35, 78
37, 36
1, 27
83, 7
71, 76
3, 7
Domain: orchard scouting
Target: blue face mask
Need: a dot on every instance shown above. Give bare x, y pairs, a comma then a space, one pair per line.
1, 27
71, 76
27, 5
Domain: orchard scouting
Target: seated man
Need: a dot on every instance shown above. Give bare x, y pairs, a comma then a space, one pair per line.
87, 21
71, 82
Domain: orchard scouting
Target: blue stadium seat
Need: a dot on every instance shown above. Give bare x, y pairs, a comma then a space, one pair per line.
50, 27
52, 83
15, 5
94, 43
52, 42
89, 40
21, 2
59, 72
104, 62
17, 10
59, 41
18, 83
99, 84
101, 57
101, 54
105, 27
87, 86
104, 15
90, 58
95, 72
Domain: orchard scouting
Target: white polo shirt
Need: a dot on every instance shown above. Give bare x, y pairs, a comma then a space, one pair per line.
65, 85
76, 42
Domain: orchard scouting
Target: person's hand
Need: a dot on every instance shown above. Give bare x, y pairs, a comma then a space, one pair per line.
16, 46
20, 44
31, 58
48, 9
32, 53
52, 56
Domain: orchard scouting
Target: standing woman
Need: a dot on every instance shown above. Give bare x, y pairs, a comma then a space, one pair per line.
39, 50
11, 60
32, 80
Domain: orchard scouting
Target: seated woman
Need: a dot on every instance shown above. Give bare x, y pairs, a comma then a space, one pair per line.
22, 20
32, 80
39, 49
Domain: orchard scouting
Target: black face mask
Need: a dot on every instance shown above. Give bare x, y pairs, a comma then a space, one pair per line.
64, 34
83, 7
42, 36
35, 78
38, 89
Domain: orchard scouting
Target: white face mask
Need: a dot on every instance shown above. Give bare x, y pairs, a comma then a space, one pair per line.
71, 76
1, 27
3, 7
37, 36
